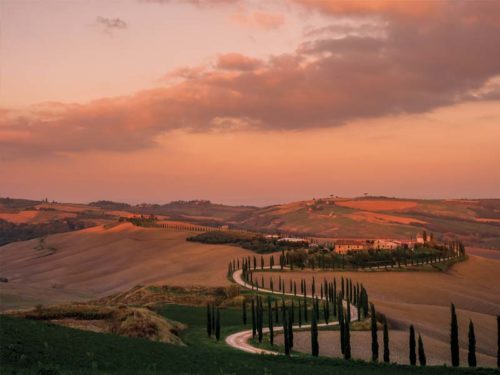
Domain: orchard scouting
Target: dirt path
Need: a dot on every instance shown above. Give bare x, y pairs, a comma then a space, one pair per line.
239, 340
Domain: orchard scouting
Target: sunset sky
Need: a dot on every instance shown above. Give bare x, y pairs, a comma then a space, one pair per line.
248, 102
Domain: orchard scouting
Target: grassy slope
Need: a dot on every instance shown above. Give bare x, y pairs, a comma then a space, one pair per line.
28, 346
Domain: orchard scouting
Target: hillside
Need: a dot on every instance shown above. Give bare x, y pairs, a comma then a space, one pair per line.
474, 222
98, 261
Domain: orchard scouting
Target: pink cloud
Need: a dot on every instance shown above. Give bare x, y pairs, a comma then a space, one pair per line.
237, 61
259, 19
420, 64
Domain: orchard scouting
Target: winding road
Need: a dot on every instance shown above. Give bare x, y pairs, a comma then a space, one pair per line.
239, 340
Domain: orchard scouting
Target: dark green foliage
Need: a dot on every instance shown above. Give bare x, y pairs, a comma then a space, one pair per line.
300, 314
413, 354
455, 350
387, 354
270, 320
254, 323
249, 241
373, 327
213, 318
347, 332
209, 321
285, 334
305, 310
217, 325
421, 352
341, 324
290, 330
276, 314
472, 346
314, 336
498, 341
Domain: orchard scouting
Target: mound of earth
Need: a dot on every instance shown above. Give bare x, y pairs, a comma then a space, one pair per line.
122, 320
194, 296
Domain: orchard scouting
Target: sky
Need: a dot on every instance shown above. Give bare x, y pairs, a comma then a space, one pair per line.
249, 102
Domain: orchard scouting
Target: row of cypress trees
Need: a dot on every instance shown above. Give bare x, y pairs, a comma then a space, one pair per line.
213, 321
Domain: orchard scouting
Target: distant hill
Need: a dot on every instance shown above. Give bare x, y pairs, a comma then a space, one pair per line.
476, 222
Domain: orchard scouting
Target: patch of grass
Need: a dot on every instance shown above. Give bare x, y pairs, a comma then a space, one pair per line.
31, 347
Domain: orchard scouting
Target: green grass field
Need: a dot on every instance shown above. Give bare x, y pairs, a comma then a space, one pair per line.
34, 347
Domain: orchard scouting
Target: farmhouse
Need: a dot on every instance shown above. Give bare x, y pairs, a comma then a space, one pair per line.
345, 246
386, 244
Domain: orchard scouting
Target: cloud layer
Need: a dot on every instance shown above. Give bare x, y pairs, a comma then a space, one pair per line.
411, 58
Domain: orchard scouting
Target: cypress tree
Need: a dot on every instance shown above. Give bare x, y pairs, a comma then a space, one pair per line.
387, 354
347, 334
316, 302
290, 330
270, 320
262, 263
300, 315
209, 321
217, 326
305, 310
285, 335
373, 327
413, 354
260, 318
213, 317
421, 352
314, 336
276, 314
498, 341
334, 300
313, 287
254, 326
455, 354
341, 324
472, 346
244, 311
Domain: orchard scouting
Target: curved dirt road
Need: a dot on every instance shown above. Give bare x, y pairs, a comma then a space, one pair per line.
239, 340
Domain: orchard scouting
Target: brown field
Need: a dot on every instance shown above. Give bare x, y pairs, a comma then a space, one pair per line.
423, 298
34, 217
98, 261
437, 352
377, 205
373, 217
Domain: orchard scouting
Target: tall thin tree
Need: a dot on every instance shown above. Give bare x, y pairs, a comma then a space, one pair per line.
209, 321
314, 336
254, 326
217, 326
270, 320
421, 352
472, 346
373, 327
455, 350
498, 341
347, 334
413, 354
387, 353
